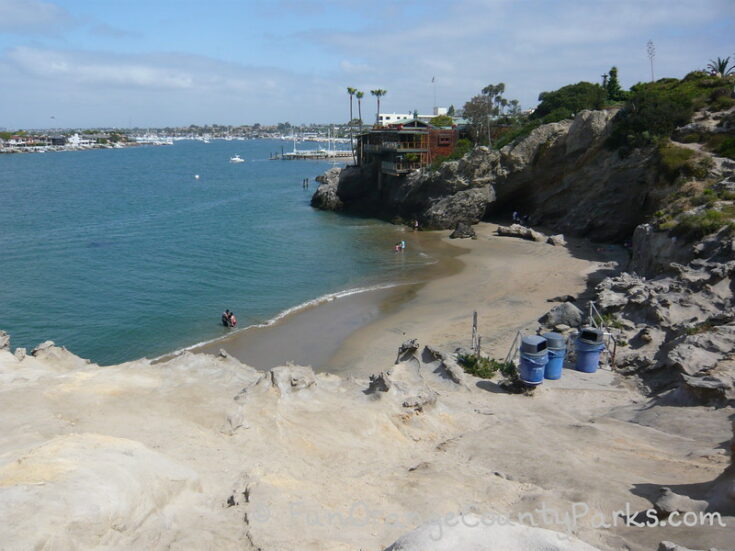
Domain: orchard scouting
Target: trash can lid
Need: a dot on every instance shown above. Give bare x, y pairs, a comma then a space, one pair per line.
591, 335
555, 340
533, 344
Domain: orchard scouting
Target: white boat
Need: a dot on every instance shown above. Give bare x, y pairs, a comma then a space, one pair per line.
237, 159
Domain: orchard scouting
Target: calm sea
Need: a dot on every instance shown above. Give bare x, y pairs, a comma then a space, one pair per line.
119, 254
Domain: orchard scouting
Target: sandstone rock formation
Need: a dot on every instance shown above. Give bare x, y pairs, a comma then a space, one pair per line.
202, 452
490, 533
561, 172
463, 231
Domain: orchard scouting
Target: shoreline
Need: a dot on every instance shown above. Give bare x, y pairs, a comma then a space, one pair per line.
353, 331
216, 453
506, 280
311, 333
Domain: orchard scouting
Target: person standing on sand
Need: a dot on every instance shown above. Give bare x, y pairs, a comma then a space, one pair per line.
415, 225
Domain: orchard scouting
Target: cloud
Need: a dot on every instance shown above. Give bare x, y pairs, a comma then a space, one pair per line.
33, 17
531, 46
108, 31
92, 88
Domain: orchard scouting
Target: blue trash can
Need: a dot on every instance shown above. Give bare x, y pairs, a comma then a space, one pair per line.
534, 357
588, 346
556, 344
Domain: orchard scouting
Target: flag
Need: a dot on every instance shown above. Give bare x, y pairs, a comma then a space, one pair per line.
432, 80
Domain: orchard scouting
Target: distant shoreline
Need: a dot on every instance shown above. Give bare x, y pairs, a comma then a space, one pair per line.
62, 148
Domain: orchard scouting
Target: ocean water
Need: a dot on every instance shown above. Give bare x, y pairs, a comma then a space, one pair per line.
120, 254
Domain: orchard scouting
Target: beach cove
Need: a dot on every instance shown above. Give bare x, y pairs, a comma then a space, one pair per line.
228, 456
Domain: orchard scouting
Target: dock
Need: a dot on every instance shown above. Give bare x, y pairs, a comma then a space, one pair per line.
313, 154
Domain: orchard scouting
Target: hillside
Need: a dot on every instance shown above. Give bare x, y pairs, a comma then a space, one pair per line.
666, 151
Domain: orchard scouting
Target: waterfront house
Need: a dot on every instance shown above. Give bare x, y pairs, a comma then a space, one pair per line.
405, 145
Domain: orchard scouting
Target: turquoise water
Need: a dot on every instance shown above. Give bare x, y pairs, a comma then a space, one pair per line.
119, 254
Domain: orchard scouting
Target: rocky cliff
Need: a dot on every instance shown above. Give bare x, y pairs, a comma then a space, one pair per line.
561, 173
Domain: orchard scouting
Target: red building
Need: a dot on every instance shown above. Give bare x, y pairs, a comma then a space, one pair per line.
405, 146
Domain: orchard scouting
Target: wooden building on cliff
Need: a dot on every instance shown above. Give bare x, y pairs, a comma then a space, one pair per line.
405, 146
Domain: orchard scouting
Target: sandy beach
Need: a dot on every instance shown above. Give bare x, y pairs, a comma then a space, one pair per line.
203, 452
507, 281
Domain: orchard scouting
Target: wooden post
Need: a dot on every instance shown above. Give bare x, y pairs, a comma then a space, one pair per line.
475, 341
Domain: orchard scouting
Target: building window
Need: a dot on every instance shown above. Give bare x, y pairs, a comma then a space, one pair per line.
444, 140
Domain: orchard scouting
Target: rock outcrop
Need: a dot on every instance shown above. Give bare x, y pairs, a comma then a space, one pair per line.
326, 197
562, 173
677, 329
477, 533
463, 231
517, 230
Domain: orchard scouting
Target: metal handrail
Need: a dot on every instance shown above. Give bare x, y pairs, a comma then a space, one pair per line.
513, 348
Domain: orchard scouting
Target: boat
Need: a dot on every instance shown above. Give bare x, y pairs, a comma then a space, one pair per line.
237, 159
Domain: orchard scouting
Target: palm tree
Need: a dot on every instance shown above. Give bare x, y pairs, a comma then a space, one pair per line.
359, 96
378, 94
721, 66
351, 92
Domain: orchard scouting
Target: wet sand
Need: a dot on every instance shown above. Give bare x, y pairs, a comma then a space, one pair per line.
506, 280
312, 336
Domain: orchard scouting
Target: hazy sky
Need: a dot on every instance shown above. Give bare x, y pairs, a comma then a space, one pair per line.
176, 62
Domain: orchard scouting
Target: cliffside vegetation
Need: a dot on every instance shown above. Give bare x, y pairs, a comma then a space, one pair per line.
688, 124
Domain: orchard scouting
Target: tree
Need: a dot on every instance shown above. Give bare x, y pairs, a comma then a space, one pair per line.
351, 92
450, 111
359, 94
721, 66
481, 109
614, 91
378, 94
442, 121
567, 100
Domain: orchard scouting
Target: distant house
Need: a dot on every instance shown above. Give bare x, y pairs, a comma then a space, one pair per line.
405, 146
57, 140
75, 140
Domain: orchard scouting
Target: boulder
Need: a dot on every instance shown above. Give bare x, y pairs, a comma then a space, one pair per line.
565, 313
463, 231
292, 378
562, 298
448, 368
4, 341
669, 502
557, 240
325, 197
484, 533
407, 350
20, 353
695, 353
466, 206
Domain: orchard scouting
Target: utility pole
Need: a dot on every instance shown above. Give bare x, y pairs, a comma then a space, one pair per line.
651, 48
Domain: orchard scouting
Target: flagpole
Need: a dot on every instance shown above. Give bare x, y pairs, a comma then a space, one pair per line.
433, 82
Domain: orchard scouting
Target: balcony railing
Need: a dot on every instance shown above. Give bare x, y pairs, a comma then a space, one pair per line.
402, 167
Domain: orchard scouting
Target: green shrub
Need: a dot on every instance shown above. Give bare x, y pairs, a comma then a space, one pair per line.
462, 147
485, 368
650, 112
675, 160
696, 226
727, 147
569, 99
722, 103
442, 121
609, 320
516, 133
694, 137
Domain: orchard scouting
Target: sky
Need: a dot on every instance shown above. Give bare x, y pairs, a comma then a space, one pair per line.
155, 63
